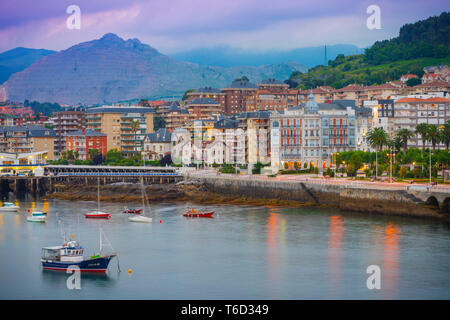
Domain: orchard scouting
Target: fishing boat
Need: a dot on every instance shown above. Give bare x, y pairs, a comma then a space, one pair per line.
195, 214
9, 206
132, 211
69, 254
97, 214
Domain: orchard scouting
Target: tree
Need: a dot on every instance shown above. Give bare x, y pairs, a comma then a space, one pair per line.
413, 82
134, 126
93, 153
354, 164
445, 134
405, 135
186, 93
422, 129
158, 122
166, 160
433, 135
377, 138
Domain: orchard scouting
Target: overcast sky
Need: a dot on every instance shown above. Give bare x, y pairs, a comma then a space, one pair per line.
178, 25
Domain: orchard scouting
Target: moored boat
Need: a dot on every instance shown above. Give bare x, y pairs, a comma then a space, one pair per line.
195, 214
97, 215
140, 219
133, 211
9, 206
33, 218
60, 258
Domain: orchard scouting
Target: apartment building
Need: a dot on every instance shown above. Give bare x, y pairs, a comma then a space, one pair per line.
207, 92
308, 134
65, 122
204, 108
27, 139
125, 126
84, 140
177, 117
409, 112
236, 95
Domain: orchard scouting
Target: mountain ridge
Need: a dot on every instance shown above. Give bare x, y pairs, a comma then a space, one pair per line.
111, 69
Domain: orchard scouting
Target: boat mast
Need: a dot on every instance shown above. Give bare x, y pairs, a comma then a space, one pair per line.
98, 193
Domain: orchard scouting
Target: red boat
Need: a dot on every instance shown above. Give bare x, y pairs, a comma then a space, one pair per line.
134, 211
97, 215
195, 214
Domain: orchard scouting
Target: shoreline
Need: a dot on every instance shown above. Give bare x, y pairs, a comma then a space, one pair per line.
208, 191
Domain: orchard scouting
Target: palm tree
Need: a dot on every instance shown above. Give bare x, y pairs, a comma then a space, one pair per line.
422, 129
134, 126
377, 138
405, 135
445, 134
433, 135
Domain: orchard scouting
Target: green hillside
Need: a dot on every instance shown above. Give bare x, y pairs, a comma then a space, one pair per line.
424, 43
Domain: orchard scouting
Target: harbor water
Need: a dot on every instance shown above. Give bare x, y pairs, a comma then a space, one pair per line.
243, 252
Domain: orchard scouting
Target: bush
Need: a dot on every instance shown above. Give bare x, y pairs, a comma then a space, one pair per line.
329, 172
403, 171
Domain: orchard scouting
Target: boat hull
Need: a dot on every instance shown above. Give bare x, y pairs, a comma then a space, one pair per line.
98, 265
138, 211
199, 215
140, 219
9, 209
36, 219
98, 216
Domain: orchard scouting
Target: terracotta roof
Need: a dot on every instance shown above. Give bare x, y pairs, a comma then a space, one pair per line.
429, 100
437, 83
350, 87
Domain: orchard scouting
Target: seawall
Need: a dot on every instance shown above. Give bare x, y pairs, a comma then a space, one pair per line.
375, 200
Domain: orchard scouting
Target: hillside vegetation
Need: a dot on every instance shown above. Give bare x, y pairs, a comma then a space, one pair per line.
418, 45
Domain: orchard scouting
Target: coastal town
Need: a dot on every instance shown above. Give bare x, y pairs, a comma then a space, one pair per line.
250, 128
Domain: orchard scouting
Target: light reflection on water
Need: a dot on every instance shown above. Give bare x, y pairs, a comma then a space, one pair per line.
242, 253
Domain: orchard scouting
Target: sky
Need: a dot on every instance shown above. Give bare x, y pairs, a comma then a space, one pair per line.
173, 26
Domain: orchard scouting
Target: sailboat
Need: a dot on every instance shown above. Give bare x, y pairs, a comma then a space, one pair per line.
141, 218
97, 214
70, 253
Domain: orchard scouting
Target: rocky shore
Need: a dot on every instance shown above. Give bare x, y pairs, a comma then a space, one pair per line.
185, 191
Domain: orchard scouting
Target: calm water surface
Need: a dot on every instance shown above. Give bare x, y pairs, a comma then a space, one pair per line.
242, 253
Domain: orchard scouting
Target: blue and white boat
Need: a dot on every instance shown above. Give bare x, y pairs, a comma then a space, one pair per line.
60, 258
9, 206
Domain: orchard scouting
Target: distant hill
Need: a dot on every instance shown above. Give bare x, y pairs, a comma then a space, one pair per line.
225, 56
111, 69
18, 59
421, 44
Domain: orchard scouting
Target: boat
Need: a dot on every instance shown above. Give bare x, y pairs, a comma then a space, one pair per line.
33, 218
140, 219
38, 213
69, 254
9, 206
97, 214
133, 211
195, 214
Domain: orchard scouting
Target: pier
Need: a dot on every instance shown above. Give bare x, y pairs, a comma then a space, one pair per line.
87, 175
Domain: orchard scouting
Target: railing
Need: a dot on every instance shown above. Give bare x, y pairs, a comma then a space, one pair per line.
116, 174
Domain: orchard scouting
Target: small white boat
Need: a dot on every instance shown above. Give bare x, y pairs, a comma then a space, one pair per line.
9, 206
140, 219
36, 218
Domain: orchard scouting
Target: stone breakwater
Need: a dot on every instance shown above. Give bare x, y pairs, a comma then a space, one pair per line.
366, 199
213, 190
